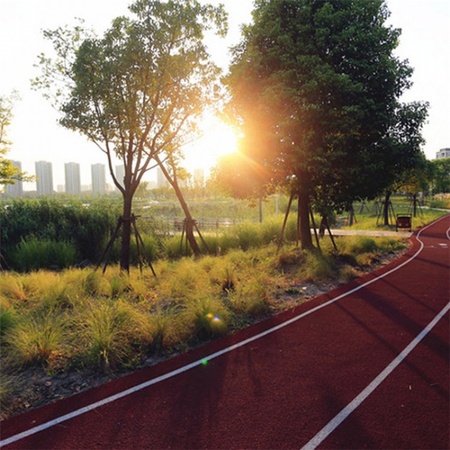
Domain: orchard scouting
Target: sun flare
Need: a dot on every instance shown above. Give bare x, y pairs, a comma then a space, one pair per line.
217, 139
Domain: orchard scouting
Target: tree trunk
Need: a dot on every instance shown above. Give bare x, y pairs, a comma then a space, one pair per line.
351, 215
126, 232
303, 215
189, 228
386, 203
189, 221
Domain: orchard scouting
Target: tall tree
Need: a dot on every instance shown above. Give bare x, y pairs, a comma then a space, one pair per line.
137, 91
316, 86
403, 158
440, 174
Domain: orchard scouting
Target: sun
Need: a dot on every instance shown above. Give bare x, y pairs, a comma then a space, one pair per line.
216, 139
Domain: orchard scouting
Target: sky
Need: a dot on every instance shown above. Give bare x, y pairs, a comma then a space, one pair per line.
36, 135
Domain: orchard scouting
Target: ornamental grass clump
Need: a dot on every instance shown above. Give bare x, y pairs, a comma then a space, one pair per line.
317, 267
252, 297
166, 329
96, 285
110, 334
206, 316
35, 338
11, 287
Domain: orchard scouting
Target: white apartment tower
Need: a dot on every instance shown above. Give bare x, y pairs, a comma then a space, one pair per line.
73, 182
16, 189
44, 177
443, 153
161, 180
199, 178
98, 179
120, 174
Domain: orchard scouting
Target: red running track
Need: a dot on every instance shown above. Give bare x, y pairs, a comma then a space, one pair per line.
364, 366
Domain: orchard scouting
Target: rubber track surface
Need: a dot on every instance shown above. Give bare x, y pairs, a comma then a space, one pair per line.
280, 388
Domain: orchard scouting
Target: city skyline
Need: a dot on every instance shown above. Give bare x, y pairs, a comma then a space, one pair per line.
100, 179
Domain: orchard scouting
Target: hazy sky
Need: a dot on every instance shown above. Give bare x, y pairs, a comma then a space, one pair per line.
36, 136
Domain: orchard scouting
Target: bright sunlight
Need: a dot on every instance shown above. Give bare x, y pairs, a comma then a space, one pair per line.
217, 139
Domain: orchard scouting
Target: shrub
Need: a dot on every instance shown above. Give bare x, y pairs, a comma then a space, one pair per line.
270, 231
357, 244
34, 254
87, 227
166, 329
251, 297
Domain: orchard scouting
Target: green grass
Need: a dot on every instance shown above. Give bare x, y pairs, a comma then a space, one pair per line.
34, 254
368, 217
80, 319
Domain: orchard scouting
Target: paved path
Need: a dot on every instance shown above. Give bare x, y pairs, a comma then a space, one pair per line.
373, 233
364, 366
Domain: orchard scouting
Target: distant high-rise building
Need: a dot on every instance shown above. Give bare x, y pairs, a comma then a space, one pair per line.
161, 180
98, 179
443, 153
120, 174
16, 189
73, 182
44, 178
199, 178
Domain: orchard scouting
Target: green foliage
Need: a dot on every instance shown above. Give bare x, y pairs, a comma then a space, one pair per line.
440, 201
34, 254
138, 90
87, 227
316, 86
440, 172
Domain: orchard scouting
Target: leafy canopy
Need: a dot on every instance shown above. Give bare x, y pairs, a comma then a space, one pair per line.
316, 87
136, 91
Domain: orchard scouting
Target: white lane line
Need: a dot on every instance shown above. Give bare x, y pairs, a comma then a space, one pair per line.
199, 362
356, 402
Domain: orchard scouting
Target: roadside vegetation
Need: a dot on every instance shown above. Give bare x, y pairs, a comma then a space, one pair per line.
80, 321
